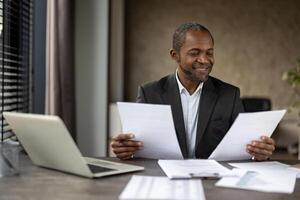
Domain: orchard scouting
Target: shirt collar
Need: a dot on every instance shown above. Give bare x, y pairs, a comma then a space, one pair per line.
182, 88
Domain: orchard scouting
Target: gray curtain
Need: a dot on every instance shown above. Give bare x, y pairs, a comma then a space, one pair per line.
60, 69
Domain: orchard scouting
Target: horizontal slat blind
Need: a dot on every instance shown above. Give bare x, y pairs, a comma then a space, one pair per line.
15, 59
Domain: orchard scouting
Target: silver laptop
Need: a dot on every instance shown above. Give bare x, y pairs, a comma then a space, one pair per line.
49, 144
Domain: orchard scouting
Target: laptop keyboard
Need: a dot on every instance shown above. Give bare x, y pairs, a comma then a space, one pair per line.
98, 169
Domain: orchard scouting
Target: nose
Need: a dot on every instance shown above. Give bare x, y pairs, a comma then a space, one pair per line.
202, 58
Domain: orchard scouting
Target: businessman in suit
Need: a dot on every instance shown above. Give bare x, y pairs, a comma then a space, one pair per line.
203, 107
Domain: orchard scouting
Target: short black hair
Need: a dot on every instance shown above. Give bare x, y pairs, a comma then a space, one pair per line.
180, 33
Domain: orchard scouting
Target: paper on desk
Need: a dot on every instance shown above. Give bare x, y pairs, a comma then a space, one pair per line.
260, 166
152, 124
246, 127
176, 169
151, 187
281, 181
265, 167
295, 168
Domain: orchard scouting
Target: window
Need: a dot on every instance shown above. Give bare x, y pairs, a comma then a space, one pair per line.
15, 59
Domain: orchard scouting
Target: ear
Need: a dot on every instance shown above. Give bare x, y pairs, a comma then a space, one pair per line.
175, 55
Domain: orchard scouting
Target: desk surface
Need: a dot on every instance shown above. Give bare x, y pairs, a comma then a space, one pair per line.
40, 183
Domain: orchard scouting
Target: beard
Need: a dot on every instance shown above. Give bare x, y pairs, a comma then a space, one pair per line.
197, 71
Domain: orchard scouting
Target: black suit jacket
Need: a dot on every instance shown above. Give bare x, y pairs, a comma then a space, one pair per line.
220, 104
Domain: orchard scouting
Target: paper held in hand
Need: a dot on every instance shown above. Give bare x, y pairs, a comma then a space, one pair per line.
153, 125
246, 127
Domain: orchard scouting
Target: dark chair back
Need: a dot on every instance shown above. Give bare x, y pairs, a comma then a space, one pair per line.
256, 104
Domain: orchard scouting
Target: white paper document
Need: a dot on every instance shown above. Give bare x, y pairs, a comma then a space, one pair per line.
279, 181
265, 166
177, 169
153, 125
246, 127
155, 187
260, 166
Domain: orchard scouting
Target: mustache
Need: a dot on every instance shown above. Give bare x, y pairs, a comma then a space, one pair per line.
200, 65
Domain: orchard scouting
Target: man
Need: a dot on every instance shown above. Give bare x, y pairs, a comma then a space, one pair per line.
203, 107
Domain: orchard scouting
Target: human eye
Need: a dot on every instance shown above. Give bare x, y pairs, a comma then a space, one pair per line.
209, 53
193, 53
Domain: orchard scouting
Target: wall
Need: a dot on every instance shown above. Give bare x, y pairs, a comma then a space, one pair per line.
255, 41
116, 51
91, 60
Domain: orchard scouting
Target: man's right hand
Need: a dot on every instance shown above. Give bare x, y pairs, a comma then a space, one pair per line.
124, 146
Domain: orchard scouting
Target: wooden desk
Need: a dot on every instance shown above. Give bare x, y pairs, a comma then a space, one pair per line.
38, 183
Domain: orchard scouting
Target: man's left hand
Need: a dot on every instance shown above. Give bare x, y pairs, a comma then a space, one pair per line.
261, 149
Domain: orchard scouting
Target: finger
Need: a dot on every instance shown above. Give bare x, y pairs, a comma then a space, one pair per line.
132, 143
267, 140
128, 157
125, 149
126, 143
256, 156
123, 136
124, 155
262, 145
259, 151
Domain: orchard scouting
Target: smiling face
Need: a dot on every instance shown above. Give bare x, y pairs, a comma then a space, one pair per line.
196, 56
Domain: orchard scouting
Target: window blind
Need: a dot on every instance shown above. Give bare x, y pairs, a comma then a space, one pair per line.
15, 59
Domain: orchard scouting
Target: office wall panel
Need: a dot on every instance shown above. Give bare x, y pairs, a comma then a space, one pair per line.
91, 63
255, 41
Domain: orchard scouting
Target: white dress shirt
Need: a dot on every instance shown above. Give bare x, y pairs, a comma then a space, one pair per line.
190, 106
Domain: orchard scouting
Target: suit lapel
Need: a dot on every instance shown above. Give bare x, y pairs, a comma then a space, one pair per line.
207, 103
171, 96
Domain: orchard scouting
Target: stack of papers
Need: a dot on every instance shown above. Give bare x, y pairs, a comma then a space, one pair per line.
153, 125
176, 169
155, 187
262, 176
